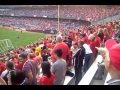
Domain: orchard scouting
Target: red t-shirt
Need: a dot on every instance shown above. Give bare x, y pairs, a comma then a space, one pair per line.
65, 50
2, 67
44, 80
92, 46
49, 45
106, 36
19, 66
16, 55
36, 60
97, 41
15, 61
85, 39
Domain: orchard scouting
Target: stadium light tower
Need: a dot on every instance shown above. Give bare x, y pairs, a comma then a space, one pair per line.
58, 18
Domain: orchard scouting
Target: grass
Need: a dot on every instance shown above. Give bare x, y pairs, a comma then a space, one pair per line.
24, 38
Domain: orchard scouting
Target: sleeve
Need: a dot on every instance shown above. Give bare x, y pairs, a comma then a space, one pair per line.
53, 69
26, 68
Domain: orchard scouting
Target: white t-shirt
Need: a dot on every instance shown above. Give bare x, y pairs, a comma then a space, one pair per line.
4, 73
87, 49
74, 50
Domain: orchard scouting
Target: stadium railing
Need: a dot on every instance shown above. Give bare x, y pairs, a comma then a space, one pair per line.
88, 77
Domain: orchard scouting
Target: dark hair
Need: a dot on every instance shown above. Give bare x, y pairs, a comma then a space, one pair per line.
91, 31
33, 49
46, 68
37, 44
24, 56
58, 52
83, 34
10, 65
17, 77
81, 43
76, 43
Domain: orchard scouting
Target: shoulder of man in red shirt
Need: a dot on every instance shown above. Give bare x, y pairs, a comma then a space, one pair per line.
64, 48
97, 41
2, 67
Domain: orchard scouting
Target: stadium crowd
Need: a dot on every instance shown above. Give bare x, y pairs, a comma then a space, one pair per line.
67, 12
48, 61
38, 23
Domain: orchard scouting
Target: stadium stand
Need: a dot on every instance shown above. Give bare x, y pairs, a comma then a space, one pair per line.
75, 28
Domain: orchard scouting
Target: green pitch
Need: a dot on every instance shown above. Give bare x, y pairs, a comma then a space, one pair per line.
19, 39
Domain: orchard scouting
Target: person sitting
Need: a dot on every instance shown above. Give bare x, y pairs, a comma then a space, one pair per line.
47, 78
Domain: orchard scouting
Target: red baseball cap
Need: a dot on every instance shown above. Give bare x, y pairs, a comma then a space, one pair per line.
109, 43
114, 51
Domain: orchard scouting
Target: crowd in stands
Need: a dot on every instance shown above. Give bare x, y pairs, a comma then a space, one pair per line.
48, 61
88, 13
38, 23
67, 12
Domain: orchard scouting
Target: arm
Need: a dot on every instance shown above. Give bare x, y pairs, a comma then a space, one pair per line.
30, 76
28, 72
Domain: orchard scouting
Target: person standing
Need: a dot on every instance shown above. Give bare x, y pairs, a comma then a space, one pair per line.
30, 69
66, 53
88, 56
78, 59
47, 78
59, 68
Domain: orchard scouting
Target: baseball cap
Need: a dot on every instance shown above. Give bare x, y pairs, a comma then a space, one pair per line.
114, 50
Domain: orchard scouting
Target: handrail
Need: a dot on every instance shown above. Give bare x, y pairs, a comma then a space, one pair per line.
87, 78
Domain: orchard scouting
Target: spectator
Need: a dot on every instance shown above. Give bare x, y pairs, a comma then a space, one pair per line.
59, 68
29, 69
78, 59
92, 45
74, 48
16, 77
47, 78
101, 35
2, 66
66, 52
88, 56
45, 55
20, 63
38, 49
112, 61
84, 38
9, 67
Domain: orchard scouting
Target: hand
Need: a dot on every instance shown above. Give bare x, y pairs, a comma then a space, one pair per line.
104, 52
9, 79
